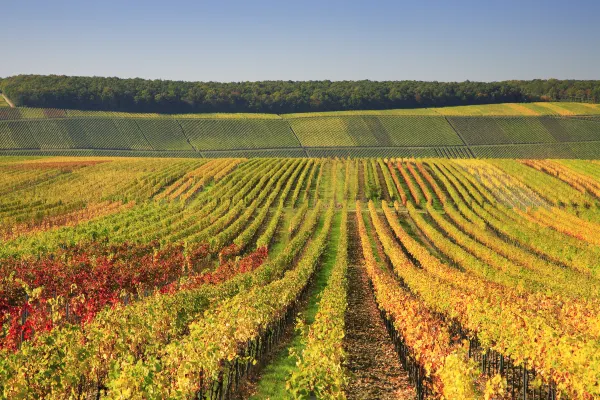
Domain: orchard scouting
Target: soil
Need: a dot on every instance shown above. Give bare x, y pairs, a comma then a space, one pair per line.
361, 182
384, 188
376, 372
10, 103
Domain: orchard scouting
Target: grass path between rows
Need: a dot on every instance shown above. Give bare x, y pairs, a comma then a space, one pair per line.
274, 376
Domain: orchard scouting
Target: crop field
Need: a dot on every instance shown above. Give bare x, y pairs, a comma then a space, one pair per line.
329, 278
233, 134
521, 109
523, 130
365, 131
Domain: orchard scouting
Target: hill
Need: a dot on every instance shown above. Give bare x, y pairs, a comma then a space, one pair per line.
511, 130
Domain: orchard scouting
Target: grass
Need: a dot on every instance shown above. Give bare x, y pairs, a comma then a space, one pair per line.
276, 373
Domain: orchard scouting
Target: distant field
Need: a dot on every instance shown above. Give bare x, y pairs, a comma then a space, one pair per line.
408, 111
232, 134
369, 130
531, 130
111, 114
521, 109
504, 109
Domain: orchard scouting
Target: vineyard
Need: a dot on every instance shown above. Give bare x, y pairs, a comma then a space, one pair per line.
523, 130
231, 278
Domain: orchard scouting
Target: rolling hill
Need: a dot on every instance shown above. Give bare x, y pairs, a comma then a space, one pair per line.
510, 130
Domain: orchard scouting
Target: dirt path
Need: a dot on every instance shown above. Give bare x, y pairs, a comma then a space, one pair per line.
381, 178
371, 358
361, 182
10, 103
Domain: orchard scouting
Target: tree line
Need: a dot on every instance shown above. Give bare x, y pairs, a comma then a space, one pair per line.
142, 95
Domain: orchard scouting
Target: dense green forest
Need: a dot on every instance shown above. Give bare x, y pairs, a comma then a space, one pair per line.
141, 95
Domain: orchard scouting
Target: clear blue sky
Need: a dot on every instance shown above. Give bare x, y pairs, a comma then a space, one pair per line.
235, 40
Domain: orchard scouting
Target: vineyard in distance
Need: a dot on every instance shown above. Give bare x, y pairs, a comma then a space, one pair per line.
534, 130
301, 277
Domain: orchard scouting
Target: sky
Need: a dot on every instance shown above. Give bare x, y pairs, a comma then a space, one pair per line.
236, 40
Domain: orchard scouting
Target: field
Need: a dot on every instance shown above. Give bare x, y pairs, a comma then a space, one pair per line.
523, 130
297, 277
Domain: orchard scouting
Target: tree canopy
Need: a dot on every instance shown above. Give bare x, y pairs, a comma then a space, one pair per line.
142, 95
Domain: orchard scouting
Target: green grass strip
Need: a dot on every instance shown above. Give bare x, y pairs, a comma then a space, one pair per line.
273, 381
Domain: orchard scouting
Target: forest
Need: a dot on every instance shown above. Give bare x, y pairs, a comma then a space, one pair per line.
165, 96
